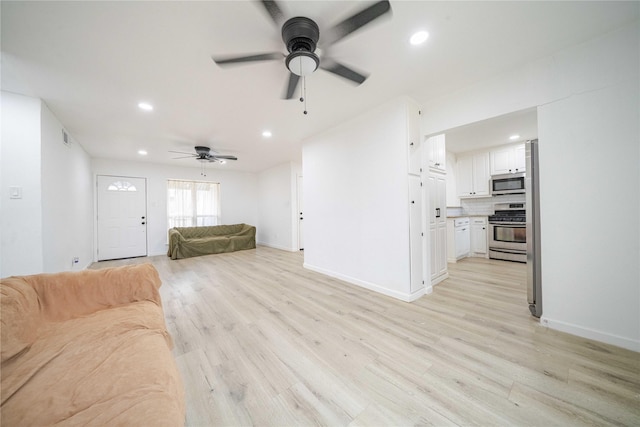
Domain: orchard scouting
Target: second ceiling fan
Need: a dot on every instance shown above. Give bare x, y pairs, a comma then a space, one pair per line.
301, 36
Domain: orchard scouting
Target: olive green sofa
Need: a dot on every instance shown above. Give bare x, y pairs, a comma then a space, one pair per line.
186, 242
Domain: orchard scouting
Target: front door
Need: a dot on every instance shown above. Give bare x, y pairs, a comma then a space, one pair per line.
122, 217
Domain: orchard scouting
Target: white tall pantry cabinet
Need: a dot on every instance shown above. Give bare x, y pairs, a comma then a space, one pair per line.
437, 209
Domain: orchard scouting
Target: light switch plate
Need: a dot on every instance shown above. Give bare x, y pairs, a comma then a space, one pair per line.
15, 192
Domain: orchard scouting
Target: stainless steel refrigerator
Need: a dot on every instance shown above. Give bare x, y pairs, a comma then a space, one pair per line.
532, 190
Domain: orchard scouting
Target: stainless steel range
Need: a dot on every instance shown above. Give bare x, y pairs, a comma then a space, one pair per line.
508, 232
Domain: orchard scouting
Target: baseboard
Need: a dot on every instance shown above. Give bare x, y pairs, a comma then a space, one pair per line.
368, 285
282, 248
440, 278
591, 334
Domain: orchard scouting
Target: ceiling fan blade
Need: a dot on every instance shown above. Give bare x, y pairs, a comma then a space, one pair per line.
184, 157
343, 71
250, 58
359, 20
181, 152
225, 157
274, 12
291, 85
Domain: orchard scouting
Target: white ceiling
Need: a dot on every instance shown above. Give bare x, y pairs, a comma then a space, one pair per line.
92, 62
492, 132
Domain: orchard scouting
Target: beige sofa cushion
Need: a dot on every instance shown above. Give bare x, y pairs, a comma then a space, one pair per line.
98, 352
19, 317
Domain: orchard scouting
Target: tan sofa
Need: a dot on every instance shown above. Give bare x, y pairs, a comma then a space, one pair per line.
87, 348
185, 242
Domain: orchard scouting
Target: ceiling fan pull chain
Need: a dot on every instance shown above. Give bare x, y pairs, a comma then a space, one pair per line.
304, 90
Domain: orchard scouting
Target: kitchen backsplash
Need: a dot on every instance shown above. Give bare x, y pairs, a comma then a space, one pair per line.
484, 205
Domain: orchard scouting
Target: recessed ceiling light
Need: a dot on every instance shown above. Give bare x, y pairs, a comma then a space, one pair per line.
419, 38
145, 106
142, 152
266, 134
514, 137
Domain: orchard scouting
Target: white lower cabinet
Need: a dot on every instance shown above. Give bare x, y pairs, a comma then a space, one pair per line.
458, 235
479, 237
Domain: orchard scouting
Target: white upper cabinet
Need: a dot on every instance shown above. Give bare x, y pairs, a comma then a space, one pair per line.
508, 159
437, 153
472, 174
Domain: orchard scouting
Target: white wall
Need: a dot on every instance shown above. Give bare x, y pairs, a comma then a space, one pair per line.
21, 219
588, 108
51, 223
277, 223
67, 199
356, 201
238, 193
452, 184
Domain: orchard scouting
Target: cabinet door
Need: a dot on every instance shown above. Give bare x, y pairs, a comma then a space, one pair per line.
441, 154
432, 189
415, 158
479, 239
481, 174
441, 256
437, 152
415, 233
501, 161
465, 176
433, 252
462, 241
441, 184
519, 161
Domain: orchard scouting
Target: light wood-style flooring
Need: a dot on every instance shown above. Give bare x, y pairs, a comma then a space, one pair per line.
259, 340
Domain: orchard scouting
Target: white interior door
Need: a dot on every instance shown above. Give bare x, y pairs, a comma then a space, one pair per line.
122, 217
300, 215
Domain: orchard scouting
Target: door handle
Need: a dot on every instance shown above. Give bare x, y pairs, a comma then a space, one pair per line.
437, 212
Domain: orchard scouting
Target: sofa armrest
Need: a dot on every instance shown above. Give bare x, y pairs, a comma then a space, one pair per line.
68, 295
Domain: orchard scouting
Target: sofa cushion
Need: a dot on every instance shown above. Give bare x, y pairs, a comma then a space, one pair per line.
211, 231
20, 318
72, 294
112, 367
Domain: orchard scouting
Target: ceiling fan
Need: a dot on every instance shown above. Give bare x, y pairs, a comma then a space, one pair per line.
203, 154
301, 36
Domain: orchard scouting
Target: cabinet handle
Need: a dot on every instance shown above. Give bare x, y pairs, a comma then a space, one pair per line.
437, 212
412, 202
411, 144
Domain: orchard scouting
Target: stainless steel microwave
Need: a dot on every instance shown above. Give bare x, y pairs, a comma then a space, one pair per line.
512, 183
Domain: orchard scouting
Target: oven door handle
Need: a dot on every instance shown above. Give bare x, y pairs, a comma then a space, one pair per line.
507, 251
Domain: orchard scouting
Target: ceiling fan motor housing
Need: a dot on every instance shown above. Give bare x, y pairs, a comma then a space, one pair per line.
201, 150
300, 33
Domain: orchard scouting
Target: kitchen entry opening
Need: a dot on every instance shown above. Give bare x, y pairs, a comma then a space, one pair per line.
192, 203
